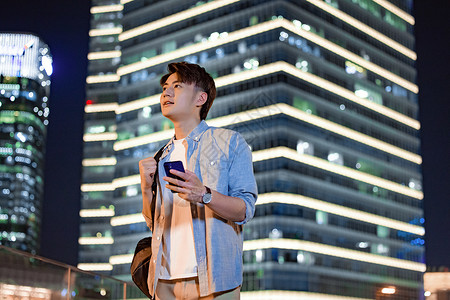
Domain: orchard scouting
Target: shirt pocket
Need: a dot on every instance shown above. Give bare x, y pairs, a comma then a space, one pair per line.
215, 174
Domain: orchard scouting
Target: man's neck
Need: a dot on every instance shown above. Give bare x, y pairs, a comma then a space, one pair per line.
182, 129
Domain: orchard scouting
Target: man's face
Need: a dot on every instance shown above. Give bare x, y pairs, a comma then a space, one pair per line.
179, 100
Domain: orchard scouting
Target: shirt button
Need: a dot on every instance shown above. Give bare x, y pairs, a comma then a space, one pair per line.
196, 139
212, 163
154, 261
158, 238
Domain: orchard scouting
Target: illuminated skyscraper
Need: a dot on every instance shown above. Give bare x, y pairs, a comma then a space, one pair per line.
25, 69
325, 94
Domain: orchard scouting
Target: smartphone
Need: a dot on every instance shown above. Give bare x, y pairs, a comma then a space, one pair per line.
177, 165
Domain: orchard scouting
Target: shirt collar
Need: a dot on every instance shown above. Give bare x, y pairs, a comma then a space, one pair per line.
197, 132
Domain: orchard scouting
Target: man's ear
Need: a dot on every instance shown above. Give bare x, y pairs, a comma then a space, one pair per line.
201, 98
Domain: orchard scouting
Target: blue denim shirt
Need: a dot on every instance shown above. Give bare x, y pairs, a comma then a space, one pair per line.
222, 160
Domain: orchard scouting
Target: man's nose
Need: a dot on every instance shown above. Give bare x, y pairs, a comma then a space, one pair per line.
168, 92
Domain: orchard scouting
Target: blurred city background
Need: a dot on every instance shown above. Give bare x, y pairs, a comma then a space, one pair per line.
340, 100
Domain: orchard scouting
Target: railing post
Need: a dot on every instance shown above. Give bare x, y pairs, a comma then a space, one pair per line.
124, 291
68, 285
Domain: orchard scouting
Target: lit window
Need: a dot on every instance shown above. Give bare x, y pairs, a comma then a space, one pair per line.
302, 65
382, 231
335, 157
259, 255
304, 105
369, 94
251, 63
276, 234
305, 258
169, 46
321, 217
415, 184
96, 129
146, 112
354, 69
305, 148
379, 249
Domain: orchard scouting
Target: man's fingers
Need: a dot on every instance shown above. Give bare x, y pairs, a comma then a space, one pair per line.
183, 175
177, 189
174, 181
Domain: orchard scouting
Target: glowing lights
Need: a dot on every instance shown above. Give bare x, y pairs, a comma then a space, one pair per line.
121, 259
126, 181
143, 140
137, 104
350, 56
333, 251
337, 169
105, 31
362, 94
100, 107
95, 213
272, 110
285, 67
97, 187
263, 27
183, 15
47, 64
104, 161
104, 55
176, 54
292, 295
95, 240
95, 266
388, 290
364, 28
102, 78
335, 89
395, 10
95, 137
339, 210
106, 8
10, 291
127, 219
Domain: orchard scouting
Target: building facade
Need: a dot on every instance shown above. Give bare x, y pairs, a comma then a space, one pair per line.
324, 93
25, 69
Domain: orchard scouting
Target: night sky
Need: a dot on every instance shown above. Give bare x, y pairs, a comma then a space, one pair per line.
64, 26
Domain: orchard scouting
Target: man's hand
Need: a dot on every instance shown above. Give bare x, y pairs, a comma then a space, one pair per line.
147, 169
190, 188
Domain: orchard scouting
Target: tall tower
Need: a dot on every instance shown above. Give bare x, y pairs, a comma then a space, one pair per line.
25, 69
324, 92
99, 135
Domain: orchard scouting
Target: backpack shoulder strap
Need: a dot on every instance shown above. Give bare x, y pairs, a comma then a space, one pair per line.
154, 184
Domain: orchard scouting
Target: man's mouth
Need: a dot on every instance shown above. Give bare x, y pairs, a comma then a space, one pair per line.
165, 103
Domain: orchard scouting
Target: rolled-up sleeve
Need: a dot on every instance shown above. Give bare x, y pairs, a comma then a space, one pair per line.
241, 180
146, 208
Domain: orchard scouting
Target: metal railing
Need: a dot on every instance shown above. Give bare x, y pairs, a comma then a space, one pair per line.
33, 277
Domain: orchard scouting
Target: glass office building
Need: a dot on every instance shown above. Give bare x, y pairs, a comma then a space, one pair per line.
25, 69
323, 91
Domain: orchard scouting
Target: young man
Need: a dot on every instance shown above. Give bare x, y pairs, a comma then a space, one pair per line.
197, 236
